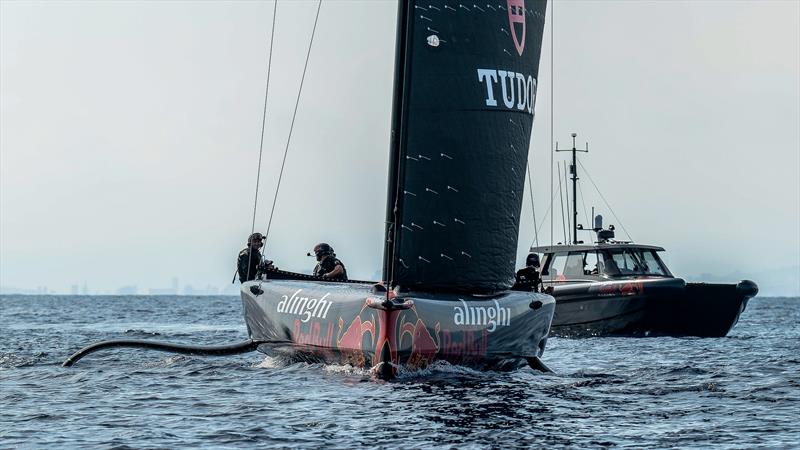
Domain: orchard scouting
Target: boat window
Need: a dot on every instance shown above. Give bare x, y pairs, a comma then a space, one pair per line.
632, 261
652, 264
555, 268
591, 264
626, 263
574, 265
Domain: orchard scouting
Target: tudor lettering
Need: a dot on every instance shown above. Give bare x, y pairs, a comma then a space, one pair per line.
305, 307
488, 316
517, 91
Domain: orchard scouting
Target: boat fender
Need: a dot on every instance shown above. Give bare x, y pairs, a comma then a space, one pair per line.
256, 290
747, 287
536, 304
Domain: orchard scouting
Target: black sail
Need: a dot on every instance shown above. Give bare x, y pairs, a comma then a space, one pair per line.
463, 118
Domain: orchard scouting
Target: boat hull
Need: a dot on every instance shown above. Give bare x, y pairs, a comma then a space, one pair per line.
347, 323
649, 307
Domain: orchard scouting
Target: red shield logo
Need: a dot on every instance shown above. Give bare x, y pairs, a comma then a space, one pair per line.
516, 21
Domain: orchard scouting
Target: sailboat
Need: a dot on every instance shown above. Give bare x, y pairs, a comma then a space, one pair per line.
462, 115
615, 287
464, 92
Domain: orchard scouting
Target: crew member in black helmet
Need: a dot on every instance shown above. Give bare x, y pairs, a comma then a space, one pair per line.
250, 263
530, 273
328, 266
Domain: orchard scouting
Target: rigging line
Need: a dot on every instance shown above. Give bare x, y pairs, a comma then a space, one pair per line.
263, 126
569, 213
561, 194
533, 211
552, 114
544, 218
291, 127
583, 201
606, 202
264, 115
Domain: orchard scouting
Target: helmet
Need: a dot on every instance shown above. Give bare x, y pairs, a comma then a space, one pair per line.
254, 237
532, 260
322, 249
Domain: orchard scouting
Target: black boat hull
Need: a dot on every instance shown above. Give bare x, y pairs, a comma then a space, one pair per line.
649, 307
350, 323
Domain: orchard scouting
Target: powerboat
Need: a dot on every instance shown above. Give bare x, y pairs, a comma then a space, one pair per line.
623, 288
613, 287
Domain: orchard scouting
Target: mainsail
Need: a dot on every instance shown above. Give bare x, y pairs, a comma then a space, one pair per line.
465, 95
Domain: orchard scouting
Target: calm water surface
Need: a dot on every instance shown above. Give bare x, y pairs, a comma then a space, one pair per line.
742, 391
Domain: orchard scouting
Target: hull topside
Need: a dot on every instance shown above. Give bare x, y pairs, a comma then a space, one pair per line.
655, 307
350, 324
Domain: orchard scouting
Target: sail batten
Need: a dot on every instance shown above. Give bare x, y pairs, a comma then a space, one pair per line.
463, 128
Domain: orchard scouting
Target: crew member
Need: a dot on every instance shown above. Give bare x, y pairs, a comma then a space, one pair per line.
328, 266
530, 273
250, 260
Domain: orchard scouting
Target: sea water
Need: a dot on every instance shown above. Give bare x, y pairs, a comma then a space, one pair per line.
741, 391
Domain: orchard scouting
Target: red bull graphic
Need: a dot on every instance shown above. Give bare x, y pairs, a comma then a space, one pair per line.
630, 288
423, 346
312, 335
351, 340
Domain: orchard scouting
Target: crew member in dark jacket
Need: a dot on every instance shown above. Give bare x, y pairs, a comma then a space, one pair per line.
328, 266
250, 263
530, 273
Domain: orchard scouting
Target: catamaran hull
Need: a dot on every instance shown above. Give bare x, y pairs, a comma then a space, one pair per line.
655, 307
345, 323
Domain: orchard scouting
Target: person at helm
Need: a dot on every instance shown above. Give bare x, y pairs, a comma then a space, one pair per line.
250, 261
328, 266
530, 273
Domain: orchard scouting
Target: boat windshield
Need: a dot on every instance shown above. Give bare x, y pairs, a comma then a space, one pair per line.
606, 263
625, 262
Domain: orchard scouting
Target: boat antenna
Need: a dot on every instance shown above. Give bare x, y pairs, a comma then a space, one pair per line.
573, 168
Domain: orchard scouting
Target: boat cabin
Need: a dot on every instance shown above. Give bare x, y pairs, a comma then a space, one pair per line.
600, 262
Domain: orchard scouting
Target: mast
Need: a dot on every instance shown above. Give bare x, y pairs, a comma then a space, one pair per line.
573, 169
462, 116
394, 178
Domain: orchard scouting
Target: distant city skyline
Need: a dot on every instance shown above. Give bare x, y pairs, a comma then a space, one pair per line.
778, 283
131, 289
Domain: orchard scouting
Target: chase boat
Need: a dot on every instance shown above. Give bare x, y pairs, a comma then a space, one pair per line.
622, 288
613, 287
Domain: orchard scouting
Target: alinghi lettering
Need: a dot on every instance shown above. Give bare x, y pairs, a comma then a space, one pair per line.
489, 316
305, 307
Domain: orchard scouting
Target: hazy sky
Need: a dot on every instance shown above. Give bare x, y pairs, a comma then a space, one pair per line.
129, 135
